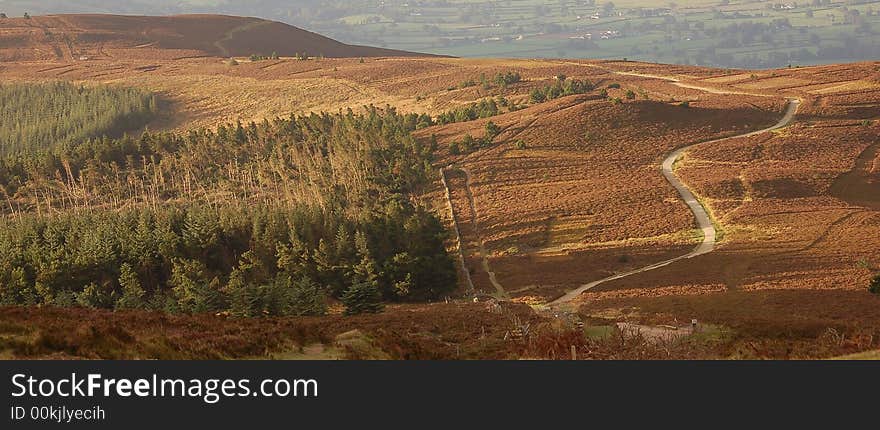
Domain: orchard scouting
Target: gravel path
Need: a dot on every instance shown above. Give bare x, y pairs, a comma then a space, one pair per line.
703, 219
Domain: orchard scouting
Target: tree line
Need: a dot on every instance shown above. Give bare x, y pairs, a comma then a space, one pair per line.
314, 160
489, 107
250, 261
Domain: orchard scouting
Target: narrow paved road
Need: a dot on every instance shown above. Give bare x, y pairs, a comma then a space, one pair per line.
703, 219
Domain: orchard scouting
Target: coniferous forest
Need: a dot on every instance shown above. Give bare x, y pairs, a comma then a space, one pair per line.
269, 218
39, 116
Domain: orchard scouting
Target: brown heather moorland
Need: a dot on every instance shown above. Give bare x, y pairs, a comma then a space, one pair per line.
567, 192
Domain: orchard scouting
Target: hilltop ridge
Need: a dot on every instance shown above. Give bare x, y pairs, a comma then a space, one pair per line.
90, 36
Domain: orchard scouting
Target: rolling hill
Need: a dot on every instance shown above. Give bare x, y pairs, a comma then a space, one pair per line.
75, 37
543, 189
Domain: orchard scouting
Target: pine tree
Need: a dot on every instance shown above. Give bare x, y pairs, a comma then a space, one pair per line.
95, 296
366, 270
875, 285
244, 300
362, 297
365, 293
200, 229
17, 290
328, 269
193, 289
294, 259
253, 269
345, 247
98, 247
400, 270
301, 298
132, 292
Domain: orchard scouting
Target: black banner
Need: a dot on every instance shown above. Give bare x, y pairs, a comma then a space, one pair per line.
150, 394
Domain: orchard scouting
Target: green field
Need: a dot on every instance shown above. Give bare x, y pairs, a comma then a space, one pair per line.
751, 34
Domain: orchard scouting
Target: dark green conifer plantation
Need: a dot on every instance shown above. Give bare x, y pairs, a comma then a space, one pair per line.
40, 116
256, 219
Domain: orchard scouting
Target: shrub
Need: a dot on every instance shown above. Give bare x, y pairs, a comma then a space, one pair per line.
485, 108
505, 79
630, 95
560, 88
492, 130
614, 85
537, 96
592, 136
468, 143
685, 104
874, 287
95, 296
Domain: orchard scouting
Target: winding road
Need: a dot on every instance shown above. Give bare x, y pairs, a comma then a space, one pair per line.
703, 219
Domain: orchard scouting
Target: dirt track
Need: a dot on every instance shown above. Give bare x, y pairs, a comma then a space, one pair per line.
703, 219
